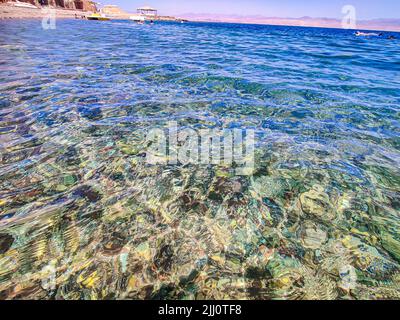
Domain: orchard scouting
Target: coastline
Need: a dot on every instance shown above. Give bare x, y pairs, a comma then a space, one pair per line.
11, 12
326, 24
359, 28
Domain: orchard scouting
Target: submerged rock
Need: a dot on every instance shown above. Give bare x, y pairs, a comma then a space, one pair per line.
391, 244
276, 212
6, 241
143, 250
312, 236
114, 244
128, 148
88, 192
348, 278
70, 157
316, 202
164, 258
90, 113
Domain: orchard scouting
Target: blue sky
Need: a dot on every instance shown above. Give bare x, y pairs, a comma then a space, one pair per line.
366, 9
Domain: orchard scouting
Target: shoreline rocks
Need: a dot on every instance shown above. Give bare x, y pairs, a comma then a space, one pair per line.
10, 12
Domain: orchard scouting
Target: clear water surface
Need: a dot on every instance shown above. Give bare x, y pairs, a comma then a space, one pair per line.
82, 216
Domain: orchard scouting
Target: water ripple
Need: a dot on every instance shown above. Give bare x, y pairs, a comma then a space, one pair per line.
318, 219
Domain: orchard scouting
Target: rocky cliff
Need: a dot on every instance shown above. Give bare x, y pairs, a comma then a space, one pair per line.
85, 5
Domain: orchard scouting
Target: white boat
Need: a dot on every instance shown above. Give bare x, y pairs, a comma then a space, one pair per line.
137, 18
22, 5
98, 16
367, 34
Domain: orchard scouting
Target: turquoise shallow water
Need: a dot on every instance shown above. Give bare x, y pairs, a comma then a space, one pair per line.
82, 216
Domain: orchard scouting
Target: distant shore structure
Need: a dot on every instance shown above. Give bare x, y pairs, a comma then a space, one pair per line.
112, 10
147, 11
77, 9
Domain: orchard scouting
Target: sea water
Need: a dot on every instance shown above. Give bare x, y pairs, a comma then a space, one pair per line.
84, 216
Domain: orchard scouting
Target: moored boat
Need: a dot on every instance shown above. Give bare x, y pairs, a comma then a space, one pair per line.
138, 19
98, 16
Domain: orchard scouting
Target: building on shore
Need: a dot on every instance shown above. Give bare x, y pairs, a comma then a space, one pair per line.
147, 11
115, 12
85, 5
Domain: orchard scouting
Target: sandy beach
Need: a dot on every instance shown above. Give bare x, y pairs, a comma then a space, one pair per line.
11, 12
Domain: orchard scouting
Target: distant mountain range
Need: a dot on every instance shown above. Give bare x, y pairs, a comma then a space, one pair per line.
376, 24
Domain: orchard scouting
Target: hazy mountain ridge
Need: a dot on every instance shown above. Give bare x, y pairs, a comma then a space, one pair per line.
374, 24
